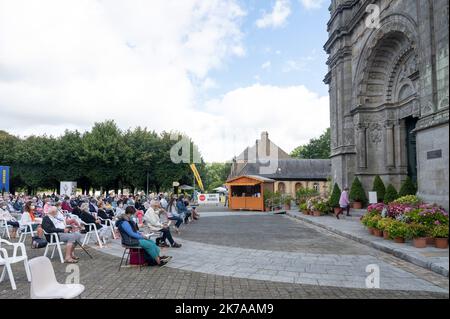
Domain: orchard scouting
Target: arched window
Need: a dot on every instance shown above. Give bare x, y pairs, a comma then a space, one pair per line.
298, 186
281, 187
316, 187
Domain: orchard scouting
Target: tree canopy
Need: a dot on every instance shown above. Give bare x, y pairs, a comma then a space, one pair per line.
317, 148
104, 158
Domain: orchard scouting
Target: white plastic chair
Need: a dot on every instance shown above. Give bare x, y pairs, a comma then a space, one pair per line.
26, 230
6, 261
44, 284
4, 228
54, 241
91, 229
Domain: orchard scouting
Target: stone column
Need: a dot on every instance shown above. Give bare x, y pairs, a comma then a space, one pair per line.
401, 160
390, 152
362, 147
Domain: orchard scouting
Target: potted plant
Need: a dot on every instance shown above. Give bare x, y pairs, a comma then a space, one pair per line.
323, 207
268, 200
383, 225
399, 231
334, 199
390, 195
440, 234
366, 221
357, 194
407, 188
378, 186
419, 233
304, 208
373, 224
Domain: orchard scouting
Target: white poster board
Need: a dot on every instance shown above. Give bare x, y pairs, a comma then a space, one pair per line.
204, 199
68, 188
373, 198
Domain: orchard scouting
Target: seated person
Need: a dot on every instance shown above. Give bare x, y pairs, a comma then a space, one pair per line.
10, 220
131, 237
66, 205
88, 218
28, 217
69, 221
183, 210
52, 224
153, 221
102, 212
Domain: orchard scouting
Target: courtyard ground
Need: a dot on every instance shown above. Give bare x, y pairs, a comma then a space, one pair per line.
249, 255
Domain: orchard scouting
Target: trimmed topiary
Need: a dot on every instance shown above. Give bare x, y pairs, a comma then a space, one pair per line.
408, 188
335, 196
378, 186
357, 192
390, 195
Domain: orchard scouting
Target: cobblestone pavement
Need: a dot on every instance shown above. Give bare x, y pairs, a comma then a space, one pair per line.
430, 257
236, 255
102, 280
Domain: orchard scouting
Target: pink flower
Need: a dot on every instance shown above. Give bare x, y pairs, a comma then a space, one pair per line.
437, 222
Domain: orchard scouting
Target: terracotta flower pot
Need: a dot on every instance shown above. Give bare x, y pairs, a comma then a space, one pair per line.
377, 232
386, 235
420, 242
336, 210
399, 240
316, 213
357, 205
305, 212
371, 230
430, 241
287, 207
441, 243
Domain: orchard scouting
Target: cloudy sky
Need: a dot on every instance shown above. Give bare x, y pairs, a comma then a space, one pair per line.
220, 71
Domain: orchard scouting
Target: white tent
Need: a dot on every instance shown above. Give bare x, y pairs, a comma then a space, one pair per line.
220, 189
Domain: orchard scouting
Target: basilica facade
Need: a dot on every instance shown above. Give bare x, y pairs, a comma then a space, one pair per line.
388, 84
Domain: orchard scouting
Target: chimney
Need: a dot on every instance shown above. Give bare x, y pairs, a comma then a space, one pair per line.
256, 160
266, 142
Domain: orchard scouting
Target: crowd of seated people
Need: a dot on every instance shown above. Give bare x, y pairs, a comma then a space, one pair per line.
128, 213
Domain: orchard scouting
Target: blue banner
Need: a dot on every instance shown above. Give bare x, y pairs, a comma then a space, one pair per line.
4, 179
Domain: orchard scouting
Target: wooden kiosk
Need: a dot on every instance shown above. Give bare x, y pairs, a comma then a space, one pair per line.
247, 192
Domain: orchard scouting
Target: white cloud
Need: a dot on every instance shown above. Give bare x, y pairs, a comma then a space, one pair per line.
300, 64
71, 63
291, 115
278, 16
312, 4
266, 65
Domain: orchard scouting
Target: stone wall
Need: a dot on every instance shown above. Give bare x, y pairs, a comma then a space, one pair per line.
385, 71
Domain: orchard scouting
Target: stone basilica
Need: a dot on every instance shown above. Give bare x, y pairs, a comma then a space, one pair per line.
388, 81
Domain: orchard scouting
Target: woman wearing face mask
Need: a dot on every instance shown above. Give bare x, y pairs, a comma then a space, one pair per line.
87, 217
28, 218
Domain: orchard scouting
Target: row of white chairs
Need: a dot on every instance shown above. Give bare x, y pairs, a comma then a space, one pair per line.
39, 272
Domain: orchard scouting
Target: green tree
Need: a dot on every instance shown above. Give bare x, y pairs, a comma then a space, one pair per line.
407, 188
357, 192
216, 174
316, 148
378, 186
391, 194
335, 196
